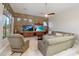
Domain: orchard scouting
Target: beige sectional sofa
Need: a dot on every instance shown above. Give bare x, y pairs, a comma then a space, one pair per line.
55, 43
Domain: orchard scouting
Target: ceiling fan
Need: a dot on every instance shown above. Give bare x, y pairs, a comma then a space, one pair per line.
46, 13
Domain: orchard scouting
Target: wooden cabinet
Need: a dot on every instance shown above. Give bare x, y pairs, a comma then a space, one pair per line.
40, 33
33, 33
28, 33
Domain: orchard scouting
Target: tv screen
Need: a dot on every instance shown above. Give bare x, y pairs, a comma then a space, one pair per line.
39, 28
27, 28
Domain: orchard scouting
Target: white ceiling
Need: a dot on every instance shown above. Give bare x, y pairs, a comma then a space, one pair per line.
38, 8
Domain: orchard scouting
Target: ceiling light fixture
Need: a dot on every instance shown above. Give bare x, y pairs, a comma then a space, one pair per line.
46, 15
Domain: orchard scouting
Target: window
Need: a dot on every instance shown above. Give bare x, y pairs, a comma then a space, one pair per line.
7, 24
25, 19
19, 19
30, 20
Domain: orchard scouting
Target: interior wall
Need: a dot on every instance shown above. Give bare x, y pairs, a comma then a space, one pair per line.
12, 25
67, 21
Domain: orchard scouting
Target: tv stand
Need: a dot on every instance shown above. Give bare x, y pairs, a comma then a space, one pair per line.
28, 33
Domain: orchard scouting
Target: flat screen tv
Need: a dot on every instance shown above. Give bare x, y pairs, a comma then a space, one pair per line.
27, 28
39, 28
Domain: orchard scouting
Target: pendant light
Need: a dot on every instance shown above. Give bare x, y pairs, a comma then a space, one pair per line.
46, 15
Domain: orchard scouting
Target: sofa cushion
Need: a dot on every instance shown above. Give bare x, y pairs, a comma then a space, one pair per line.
66, 34
59, 34
54, 40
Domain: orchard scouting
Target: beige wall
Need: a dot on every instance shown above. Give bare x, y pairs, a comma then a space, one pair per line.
67, 21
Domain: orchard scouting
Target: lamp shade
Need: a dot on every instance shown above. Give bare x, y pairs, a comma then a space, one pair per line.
44, 24
50, 25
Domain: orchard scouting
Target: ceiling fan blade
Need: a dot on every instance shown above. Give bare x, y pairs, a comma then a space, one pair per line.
51, 13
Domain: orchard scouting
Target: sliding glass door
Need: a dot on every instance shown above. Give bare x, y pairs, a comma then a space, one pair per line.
7, 24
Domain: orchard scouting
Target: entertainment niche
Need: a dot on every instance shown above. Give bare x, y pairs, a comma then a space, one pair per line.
29, 25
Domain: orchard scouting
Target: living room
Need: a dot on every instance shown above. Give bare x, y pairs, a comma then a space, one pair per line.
47, 28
